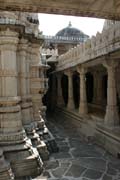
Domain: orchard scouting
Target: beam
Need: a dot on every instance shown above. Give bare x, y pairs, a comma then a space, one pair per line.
89, 8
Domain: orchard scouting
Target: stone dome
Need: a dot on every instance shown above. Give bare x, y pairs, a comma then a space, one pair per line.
70, 31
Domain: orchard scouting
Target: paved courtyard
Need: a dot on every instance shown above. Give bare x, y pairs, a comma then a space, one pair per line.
78, 160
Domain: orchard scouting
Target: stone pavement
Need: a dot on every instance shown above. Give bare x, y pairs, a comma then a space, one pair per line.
78, 160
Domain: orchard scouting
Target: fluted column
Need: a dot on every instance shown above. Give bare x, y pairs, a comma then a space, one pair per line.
10, 118
70, 104
60, 100
23, 84
111, 116
83, 108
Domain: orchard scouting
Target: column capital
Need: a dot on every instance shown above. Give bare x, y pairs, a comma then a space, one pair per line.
110, 64
81, 70
68, 72
23, 45
9, 40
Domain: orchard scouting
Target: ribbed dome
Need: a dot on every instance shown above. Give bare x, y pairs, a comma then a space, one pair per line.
69, 31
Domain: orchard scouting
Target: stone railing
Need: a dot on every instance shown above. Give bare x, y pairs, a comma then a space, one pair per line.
99, 45
52, 52
62, 38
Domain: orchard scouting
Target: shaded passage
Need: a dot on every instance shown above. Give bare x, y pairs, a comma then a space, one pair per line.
77, 159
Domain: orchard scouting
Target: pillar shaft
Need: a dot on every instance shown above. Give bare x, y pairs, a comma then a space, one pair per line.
26, 101
10, 118
83, 97
60, 100
112, 116
70, 104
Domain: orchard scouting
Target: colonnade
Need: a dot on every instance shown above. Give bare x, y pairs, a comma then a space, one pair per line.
111, 118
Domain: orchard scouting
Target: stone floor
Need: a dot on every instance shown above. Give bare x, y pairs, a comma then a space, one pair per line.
78, 160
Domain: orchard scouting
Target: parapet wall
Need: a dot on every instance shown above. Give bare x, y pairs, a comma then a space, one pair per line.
102, 44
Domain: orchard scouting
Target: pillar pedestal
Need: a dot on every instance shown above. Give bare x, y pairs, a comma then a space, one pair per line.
5, 169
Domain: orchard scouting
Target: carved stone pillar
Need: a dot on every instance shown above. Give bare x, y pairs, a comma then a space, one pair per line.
23, 69
111, 116
38, 88
60, 100
83, 108
70, 104
13, 140
33, 82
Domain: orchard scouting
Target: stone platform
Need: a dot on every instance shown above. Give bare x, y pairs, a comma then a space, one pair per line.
76, 159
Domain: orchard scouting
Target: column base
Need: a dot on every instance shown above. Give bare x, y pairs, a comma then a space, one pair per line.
112, 116
70, 106
36, 142
46, 136
24, 159
5, 169
83, 108
40, 145
60, 102
49, 140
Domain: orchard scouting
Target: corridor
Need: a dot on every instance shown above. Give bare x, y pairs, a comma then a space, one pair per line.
77, 159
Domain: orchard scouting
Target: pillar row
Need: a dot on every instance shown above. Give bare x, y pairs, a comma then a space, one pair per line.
70, 104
